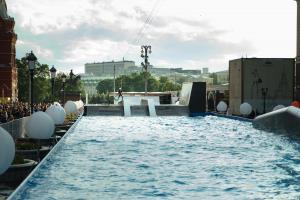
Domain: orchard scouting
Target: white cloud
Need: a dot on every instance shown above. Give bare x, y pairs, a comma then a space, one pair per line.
254, 28
95, 50
37, 49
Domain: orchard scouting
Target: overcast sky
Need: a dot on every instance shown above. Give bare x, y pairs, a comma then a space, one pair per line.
191, 34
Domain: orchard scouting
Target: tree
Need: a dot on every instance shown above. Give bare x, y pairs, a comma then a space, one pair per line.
41, 85
105, 85
135, 82
166, 85
215, 78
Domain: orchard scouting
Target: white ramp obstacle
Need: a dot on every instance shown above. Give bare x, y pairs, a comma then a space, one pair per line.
151, 108
126, 105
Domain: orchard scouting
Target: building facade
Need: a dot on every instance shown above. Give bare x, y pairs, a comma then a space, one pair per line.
8, 69
222, 77
261, 82
90, 83
108, 69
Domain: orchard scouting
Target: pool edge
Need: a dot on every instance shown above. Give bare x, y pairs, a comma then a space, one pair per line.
24, 182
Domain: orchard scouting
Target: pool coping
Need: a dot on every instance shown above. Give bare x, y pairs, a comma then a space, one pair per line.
221, 115
25, 181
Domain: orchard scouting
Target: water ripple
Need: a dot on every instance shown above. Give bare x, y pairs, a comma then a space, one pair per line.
169, 158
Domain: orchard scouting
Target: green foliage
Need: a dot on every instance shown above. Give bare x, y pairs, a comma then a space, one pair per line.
42, 83
105, 85
18, 160
215, 78
135, 82
74, 85
71, 117
27, 145
103, 98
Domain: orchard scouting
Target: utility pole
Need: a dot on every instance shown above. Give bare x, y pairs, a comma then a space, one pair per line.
114, 80
145, 50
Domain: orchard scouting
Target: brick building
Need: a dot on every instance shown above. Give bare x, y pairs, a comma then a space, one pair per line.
8, 70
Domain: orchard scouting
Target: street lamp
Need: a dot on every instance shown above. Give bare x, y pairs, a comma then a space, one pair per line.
264, 92
63, 77
31, 58
52, 75
145, 50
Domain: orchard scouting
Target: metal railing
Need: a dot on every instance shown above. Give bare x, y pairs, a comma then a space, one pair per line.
16, 127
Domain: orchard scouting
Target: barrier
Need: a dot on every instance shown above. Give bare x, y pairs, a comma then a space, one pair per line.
16, 127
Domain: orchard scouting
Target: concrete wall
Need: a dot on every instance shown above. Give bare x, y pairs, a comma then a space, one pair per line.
185, 93
249, 75
235, 85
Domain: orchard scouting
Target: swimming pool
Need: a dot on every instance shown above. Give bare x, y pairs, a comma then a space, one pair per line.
167, 158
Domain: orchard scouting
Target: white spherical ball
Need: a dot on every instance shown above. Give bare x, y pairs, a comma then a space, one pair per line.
245, 109
40, 126
70, 107
278, 107
81, 104
222, 106
57, 104
77, 105
7, 150
57, 113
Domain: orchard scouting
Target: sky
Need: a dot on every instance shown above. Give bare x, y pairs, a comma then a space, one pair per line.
190, 34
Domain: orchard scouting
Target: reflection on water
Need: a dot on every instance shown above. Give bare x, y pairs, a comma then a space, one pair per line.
168, 158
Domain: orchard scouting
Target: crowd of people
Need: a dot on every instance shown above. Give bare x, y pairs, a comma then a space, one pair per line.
17, 110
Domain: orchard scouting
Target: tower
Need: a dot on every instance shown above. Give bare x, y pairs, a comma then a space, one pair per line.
8, 70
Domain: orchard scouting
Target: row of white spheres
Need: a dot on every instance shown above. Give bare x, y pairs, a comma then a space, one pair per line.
245, 109
79, 104
7, 150
57, 113
222, 106
73, 106
41, 125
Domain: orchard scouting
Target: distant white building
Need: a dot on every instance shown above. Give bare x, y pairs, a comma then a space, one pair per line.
90, 83
107, 69
96, 72
222, 77
205, 70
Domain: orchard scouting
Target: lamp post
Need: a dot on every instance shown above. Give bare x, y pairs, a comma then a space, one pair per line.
264, 92
63, 77
52, 75
145, 50
31, 58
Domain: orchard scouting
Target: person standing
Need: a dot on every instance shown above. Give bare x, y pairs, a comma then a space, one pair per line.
120, 93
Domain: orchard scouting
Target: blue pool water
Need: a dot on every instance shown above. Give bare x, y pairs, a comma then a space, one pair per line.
167, 158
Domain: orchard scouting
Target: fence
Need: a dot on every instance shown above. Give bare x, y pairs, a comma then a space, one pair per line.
16, 128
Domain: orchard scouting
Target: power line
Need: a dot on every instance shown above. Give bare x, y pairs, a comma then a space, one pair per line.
147, 22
